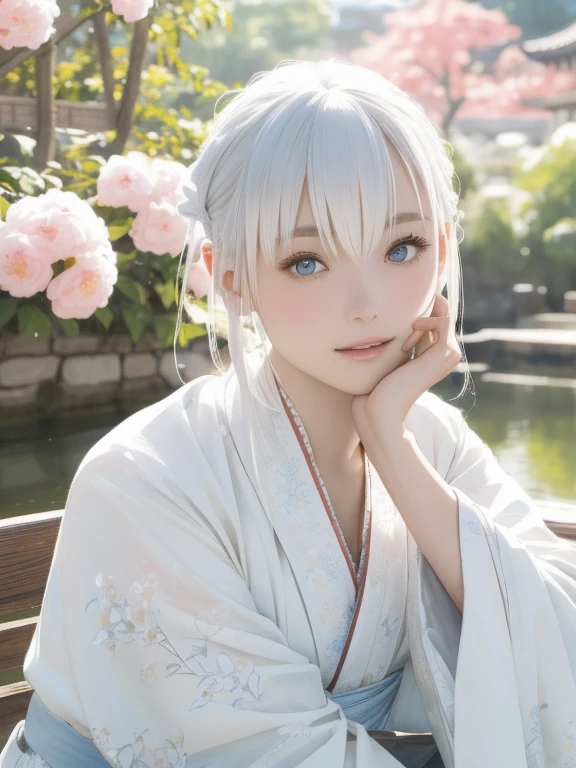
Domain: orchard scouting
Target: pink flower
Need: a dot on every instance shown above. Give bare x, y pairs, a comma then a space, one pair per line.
23, 269
132, 10
126, 181
26, 23
169, 177
63, 224
82, 288
198, 279
159, 228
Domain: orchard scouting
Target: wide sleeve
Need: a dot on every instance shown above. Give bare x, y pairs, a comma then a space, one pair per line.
173, 665
515, 690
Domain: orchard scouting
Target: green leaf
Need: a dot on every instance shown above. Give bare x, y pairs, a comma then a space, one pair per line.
125, 258
116, 230
130, 288
188, 331
33, 322
166, 291
8, 309
53, 181
164, 326
27, 144
105, 315
136, 319
69, 326
4, 205
81, 185
92, 164
9, 181
29, 180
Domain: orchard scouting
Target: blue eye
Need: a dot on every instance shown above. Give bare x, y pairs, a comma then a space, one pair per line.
308, 267
397, 255
399, 259
304, 263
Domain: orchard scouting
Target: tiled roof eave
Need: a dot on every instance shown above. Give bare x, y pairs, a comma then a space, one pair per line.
558, 44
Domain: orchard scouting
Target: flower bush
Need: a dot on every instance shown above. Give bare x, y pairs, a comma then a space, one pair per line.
92, 241
57, 226
110, 259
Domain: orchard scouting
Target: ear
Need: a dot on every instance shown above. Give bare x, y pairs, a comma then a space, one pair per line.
227, 277
443, 249
206, 249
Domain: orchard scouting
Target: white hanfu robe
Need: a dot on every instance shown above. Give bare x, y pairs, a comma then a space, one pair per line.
202, 603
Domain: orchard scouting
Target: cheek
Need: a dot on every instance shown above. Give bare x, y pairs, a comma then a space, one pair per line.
287, 304
413, 289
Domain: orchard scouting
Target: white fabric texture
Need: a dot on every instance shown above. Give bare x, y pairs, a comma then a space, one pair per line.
199, 607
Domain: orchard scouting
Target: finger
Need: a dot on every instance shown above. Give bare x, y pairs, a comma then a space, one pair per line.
412, 340
428, 340
430, 323
441, 306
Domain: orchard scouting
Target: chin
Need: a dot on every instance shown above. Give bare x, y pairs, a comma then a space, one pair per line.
353, 383
363, 380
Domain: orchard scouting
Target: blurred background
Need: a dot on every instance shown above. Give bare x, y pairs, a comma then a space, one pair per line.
497, 79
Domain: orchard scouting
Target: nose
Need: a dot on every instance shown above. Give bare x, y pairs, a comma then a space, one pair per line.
364, 298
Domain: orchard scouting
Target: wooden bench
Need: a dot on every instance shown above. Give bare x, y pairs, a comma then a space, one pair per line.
26, 550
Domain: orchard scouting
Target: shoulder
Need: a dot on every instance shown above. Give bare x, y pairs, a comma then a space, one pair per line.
160, 473
181, 424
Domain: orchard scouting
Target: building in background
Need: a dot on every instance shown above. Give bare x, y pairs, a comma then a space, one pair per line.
557, 50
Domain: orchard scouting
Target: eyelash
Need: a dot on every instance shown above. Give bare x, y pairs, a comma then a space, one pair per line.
421, 243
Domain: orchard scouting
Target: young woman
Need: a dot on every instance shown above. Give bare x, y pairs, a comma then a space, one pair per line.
263, 566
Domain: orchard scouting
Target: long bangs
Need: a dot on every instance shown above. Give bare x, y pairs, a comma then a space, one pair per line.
329, 141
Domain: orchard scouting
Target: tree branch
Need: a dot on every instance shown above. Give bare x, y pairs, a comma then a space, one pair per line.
125, 119
45, 106
106, 65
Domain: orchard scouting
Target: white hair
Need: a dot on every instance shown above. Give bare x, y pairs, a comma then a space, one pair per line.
331, 123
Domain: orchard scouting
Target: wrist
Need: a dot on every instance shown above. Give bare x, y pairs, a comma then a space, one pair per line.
394, 433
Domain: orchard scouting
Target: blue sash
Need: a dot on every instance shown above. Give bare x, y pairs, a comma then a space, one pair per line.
370, 705
56, 742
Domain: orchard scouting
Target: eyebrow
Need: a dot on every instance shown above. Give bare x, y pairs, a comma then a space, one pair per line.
401, 218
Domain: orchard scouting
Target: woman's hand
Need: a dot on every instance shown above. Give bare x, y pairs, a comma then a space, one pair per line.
380, 415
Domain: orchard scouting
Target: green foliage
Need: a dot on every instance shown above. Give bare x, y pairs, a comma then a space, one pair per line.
464, 180
33, 321
465, 173
8, 307
560, 241
261, 36
535, 243
551, 183
490, 245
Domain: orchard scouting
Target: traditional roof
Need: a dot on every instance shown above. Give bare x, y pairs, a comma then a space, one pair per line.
558, 45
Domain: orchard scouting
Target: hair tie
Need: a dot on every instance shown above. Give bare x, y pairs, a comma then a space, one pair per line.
192, 208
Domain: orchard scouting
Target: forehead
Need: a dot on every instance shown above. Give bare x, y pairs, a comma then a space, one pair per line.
406, 198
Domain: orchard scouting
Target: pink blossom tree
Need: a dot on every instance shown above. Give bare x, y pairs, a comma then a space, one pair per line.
431, 50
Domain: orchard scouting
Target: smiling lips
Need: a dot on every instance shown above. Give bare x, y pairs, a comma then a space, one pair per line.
365, 343
377, 348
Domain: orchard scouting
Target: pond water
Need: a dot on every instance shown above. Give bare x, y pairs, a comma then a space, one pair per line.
531, 429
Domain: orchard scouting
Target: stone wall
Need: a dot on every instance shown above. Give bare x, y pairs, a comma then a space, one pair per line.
45, 376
